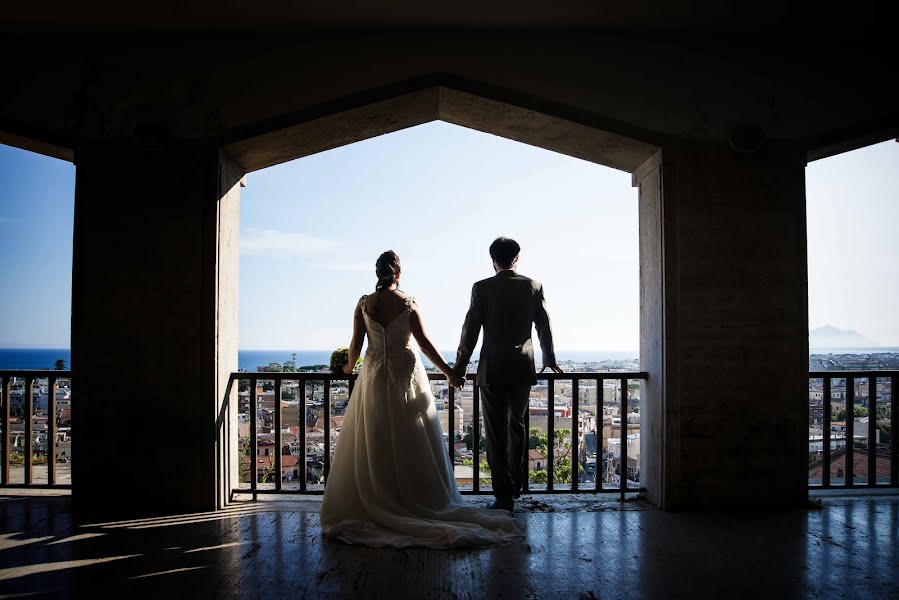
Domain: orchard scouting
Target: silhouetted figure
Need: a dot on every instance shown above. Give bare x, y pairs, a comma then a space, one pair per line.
506, 305
391, 482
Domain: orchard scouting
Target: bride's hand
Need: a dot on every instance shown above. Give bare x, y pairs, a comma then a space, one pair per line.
456, 381
347, 369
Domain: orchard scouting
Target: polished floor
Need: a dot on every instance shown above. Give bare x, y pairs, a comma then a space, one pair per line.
847, 548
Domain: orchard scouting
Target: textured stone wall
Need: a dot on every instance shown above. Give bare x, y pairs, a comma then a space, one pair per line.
145, 318
727, 411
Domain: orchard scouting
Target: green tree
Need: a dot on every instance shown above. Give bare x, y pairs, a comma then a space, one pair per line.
561, 455
246, 466
483, 466
886, 433
534, 437
860, 411
268, 471
467, 438
59, 365
538, 476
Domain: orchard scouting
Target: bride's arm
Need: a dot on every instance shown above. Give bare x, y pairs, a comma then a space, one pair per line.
356, 345
426, 345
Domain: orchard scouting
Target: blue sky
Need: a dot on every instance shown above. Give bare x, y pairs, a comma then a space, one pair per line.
438, 194
37, 202
853, 243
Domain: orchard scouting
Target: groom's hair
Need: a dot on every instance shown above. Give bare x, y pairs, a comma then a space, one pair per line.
504, 250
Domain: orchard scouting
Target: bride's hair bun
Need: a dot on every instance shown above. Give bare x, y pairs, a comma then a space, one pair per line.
386, 268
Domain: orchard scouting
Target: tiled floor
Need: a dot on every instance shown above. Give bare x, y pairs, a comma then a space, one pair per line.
575, 549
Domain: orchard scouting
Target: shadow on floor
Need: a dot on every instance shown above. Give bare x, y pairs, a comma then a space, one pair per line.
577, 548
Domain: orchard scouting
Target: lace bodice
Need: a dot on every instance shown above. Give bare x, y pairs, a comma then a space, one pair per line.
393, 345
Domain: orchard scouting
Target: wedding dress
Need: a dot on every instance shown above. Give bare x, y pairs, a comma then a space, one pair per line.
391, 482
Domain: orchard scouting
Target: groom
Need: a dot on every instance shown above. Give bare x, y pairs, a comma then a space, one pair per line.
506, 305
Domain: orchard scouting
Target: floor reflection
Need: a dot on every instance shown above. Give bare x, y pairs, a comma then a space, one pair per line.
579, 549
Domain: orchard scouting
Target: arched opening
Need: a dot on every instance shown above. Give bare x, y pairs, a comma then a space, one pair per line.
609, 435
439, 194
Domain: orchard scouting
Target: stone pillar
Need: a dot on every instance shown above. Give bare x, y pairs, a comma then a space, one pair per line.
154, 329
724, 328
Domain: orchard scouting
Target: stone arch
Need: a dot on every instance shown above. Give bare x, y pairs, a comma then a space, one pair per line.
327, 129
442, 103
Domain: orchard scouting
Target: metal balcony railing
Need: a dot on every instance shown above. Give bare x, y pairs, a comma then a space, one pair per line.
303, 380
23, 446
881, 458
35, 445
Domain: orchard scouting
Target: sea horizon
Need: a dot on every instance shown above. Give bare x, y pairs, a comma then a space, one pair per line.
249, 360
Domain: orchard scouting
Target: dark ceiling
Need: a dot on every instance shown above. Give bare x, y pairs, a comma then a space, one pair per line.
77, 73
724, 17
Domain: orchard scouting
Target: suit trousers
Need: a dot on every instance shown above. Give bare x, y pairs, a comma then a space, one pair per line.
504, 410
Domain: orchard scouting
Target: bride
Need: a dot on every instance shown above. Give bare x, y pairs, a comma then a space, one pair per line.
391, 482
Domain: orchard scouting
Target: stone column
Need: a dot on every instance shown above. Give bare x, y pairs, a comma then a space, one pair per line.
154, 329
724, 327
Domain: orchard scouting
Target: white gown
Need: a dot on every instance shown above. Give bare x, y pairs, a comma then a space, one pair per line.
391, 482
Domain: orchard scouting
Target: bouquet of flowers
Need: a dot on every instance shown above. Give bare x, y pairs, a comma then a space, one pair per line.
339, 358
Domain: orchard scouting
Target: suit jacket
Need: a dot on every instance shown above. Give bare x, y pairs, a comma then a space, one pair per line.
505, 305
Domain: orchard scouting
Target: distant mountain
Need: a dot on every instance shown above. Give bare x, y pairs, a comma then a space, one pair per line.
832, 337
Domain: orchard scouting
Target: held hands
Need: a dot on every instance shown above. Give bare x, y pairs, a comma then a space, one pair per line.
456, 381
552, 367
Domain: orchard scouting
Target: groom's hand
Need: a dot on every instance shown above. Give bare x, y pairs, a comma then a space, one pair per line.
552, 367
457, 381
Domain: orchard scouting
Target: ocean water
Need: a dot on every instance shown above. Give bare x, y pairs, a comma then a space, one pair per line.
33, 358
248, 360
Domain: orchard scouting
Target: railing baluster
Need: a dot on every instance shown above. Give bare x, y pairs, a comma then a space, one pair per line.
450, 429
327, 410
254, 460
872, 431
825, 474
623, 454
574, 450
550, 431
51, 430
28, 399
848, 472
894, 430
5, 389
476, 439
229, 484
576, 430
597, 464
277, 408
302, 427
526, 486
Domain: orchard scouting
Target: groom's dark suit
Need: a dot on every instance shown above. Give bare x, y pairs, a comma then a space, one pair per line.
506, 305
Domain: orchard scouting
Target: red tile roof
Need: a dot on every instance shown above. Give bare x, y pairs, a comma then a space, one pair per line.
859, 464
